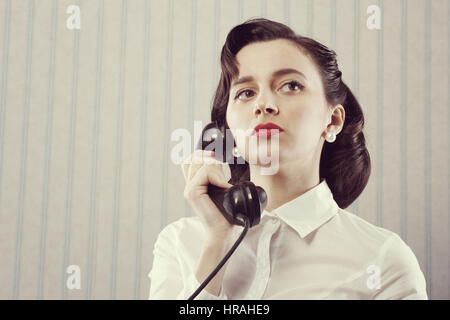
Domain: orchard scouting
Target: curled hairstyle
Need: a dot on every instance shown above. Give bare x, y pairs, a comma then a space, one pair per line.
345, 163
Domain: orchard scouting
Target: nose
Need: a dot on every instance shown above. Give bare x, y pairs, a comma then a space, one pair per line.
266, 108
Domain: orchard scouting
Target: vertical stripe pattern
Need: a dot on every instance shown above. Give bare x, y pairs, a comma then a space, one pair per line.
4, 87
119, 143
404, 122
34, 33
192, 59
24, 150
310, 19
92, 244
427, 119
287, 12
448, 136
142, 152
240, 11
167, 108
264, 8
380, 100
216, 51
48, 150
355, 89
333, 24
71, 157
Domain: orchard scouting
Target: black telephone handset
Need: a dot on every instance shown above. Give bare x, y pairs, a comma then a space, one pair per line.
241, 200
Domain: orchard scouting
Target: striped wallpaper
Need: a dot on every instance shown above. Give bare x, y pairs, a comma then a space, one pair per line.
86, 117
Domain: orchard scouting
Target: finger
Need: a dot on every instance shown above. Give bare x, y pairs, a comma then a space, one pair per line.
194, 158
199, 159
185, 166
215, 165
211, 175
209, 162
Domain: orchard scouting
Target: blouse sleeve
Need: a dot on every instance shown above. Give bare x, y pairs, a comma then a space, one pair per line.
166, 277
401, 276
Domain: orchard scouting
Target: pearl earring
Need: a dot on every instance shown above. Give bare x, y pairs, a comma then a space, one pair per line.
330, 137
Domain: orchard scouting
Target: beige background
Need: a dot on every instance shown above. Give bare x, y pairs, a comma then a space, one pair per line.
86, 117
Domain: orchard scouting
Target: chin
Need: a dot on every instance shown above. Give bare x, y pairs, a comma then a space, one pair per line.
263, 157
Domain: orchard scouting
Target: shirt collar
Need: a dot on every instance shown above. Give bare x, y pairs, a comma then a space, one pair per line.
308, 211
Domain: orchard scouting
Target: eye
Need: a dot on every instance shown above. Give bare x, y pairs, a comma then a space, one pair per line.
294, 84
241, 92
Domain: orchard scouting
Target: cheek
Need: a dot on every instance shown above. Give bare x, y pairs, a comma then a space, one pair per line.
307, 119
307, 128
229, 117
237, 125
235, 119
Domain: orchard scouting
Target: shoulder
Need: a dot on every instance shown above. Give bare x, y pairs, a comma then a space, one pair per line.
401, 275
399, 259
362, 230
391, 242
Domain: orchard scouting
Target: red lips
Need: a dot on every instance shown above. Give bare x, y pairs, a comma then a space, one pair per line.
267, 132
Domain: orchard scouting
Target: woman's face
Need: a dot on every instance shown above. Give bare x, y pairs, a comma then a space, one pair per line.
301, 108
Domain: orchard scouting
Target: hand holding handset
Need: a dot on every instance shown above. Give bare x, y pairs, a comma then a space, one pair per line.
243, 200
240, 204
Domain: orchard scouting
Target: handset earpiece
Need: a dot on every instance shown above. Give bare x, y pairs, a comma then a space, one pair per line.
244, 198
212, 133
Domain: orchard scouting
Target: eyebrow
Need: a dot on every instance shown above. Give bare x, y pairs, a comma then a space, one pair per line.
277, 73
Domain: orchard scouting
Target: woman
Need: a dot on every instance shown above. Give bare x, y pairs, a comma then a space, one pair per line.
306, 245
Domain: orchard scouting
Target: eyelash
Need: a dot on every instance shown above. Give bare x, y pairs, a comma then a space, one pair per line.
293, 82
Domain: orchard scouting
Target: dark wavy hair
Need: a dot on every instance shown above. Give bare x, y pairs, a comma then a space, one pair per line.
345, 163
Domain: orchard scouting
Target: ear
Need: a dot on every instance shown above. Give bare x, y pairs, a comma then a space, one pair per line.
337, 118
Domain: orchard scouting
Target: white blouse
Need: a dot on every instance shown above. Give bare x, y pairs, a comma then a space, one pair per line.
308, 248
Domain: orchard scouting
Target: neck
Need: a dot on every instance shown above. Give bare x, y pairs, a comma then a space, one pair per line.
290, 181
